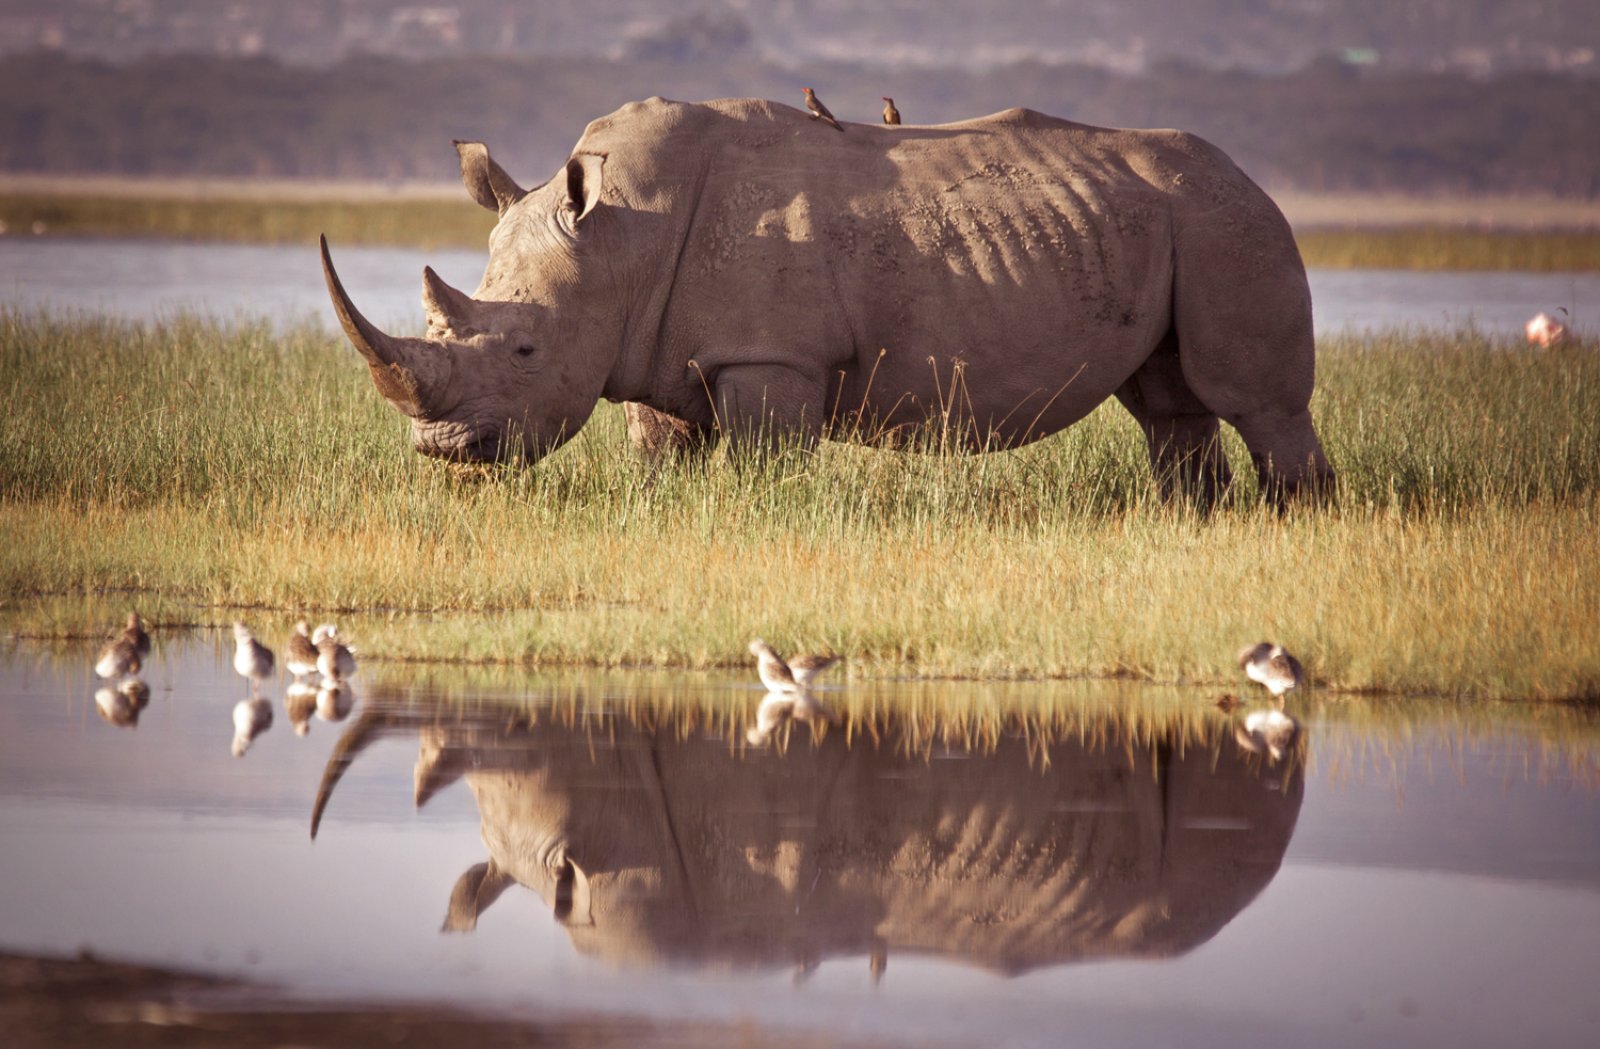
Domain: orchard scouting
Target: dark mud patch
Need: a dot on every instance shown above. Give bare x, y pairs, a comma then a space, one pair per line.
86, 1003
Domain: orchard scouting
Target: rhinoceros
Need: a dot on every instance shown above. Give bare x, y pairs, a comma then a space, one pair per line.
736, 270
652, 845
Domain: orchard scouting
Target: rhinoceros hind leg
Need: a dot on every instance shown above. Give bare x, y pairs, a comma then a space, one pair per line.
1242, 311
655, 435
1186, 454
1287, 456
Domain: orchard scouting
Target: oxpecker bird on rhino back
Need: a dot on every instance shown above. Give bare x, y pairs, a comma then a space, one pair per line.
724, 266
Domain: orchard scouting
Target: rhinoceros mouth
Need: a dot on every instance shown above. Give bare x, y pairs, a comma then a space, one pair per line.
448, 442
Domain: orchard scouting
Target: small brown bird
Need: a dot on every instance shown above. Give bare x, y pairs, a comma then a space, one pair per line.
119, 658
251, 658
820, 111
136, 633
775, 673
795, 675
1270, 665
300, 655
806, 668
124, 654
334, 660
891, 115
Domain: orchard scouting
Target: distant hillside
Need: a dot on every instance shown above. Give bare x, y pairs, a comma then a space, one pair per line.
1329, 126
1473, 36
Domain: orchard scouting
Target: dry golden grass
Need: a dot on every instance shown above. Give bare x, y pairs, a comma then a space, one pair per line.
1460, 557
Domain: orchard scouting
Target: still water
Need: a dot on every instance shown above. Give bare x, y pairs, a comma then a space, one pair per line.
1121, 867
146, 279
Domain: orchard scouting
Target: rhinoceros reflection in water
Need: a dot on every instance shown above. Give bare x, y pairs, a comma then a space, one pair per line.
651, 847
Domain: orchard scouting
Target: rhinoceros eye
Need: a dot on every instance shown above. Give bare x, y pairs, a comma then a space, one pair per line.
525, 350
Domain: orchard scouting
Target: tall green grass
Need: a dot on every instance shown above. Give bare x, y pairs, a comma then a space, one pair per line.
209, 467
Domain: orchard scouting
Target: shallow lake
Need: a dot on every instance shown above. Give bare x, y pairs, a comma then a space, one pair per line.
145, 279
1123, 866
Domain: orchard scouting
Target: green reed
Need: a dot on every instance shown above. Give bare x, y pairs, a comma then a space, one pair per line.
209, 467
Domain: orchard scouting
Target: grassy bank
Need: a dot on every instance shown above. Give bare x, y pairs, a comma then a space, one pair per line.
428, 221
180, 462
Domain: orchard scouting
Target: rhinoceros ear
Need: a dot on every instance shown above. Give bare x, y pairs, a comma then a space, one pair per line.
485, 180
583, 184
572, 903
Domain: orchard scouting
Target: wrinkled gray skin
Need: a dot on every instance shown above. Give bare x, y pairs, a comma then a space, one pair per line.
733, 268
649, 844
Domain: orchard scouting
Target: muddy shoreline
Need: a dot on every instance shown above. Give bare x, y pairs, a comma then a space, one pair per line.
87, 1002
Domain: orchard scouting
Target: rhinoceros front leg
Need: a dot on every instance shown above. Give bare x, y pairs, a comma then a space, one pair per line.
656, 434
767, 408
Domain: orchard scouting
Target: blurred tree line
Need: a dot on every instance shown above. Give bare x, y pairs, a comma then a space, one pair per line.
1328, 126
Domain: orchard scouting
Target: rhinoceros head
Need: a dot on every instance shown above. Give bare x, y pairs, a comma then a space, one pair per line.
523, 360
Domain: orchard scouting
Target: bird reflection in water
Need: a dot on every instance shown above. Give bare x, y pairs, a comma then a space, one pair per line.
251, 717
299, 703
777, 708
122, 704
1057, 841
335, 700
119, 662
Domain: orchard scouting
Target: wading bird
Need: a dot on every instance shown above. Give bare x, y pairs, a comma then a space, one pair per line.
1269, 665
299, 654
251, 659
334, 660
1544, 331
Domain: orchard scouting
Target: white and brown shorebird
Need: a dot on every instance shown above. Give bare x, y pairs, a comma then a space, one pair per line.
299, 654
124, 654
136, 633
251, 717
792, 676
820, 111
251, 659
119, 658
1268, 664
891, 115
334, 660
1545, 331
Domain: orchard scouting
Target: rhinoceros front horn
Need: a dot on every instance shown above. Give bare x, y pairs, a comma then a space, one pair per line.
404, 370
